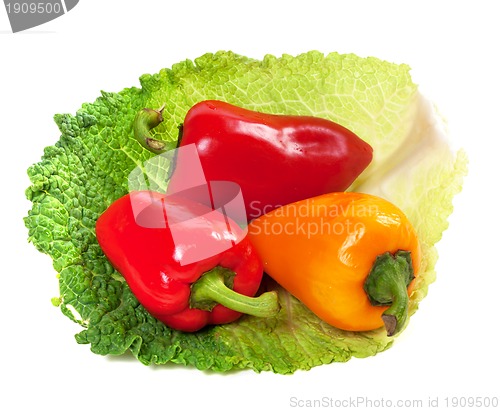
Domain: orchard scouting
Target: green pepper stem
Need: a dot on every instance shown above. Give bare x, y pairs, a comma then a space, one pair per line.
213, 288
144, 121
387, 284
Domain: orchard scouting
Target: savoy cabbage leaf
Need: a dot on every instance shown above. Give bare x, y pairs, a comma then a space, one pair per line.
87, 169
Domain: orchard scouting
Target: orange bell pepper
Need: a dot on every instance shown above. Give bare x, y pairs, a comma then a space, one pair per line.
349, 257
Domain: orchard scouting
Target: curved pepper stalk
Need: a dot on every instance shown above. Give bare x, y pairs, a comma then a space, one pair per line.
387, 284
214, 287
145, 120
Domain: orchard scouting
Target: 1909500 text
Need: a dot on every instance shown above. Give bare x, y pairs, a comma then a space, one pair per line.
33, 8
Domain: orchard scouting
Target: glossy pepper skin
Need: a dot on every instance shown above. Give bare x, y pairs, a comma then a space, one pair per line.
349, 257
150, 261
275, 159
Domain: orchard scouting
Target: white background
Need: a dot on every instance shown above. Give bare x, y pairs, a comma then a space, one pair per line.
451, 345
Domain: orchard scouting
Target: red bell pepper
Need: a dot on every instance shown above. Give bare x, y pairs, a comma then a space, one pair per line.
275, 159
186, 297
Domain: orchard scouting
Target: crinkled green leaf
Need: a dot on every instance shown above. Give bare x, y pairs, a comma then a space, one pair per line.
88, 168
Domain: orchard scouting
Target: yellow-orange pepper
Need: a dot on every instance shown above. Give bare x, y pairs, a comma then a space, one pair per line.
349, 257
